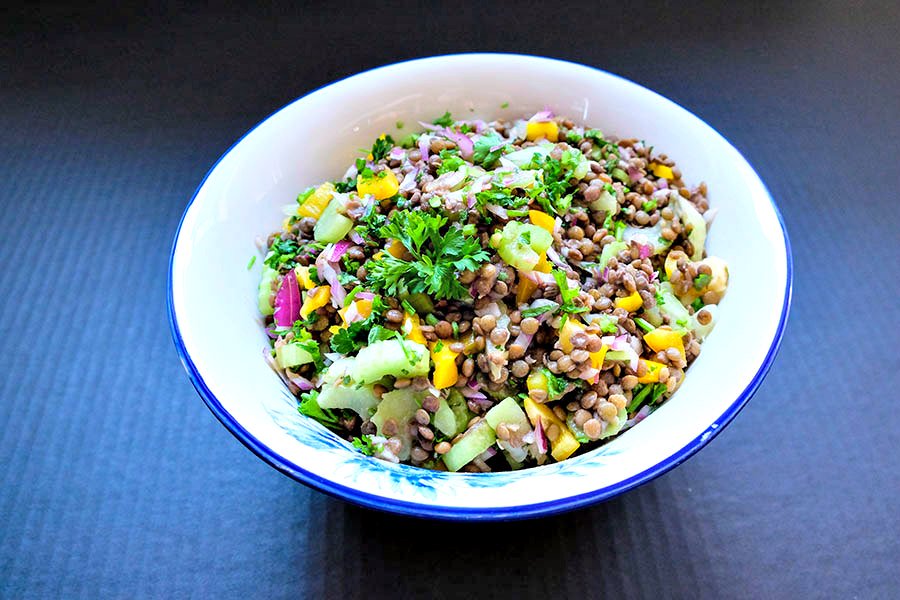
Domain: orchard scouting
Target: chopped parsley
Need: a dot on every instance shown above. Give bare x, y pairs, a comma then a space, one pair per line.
554, 194
648, 205
451, 161
701, 281
444, 120
281, 253
438, 254
504, 105
382, 147
697, 304
365, 445
483, 155
357, 334
252, 262
643, 324
345, 187
607, 323
568, 295
539, 310
309, 406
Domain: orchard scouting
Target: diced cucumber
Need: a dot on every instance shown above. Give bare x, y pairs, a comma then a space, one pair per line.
361, 399
522, 158
510, 413
421, 302
338, 370
390, 357
610, 250
652, 316
617, 355
265, 289
612, 430
691, 217
651, 236
582, 166
701, 331
459, 406
520, 244
445, 420
577, 431
606, 203
292, 355
332, 226
401, 407
475, 441
672, 307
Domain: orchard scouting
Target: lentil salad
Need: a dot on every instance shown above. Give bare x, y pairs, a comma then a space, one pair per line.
491, 296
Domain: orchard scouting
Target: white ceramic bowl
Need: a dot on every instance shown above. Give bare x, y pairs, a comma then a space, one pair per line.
217, 329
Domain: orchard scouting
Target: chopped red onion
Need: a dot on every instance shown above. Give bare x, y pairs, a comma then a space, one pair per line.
542, 116
589, 374
662, 183
409, 181
287, 301
634, 174
330, 272
463, 142
355, 237
301, 382
424, 144
490, 309
645, 250
470, 201
497, 210
639, 416
365, 296
471, 394
430, 126
352, 315
523, 340
487, 454
605, 276
540, 441
397, 153
334, 253
556, 259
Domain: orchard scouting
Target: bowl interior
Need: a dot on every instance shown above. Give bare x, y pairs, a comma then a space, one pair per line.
217, 328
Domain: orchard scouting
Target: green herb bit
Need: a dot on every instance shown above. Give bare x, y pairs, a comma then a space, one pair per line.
408, 307
539, 310
649, 205
365, 445
252, 262
643, 324
444, 120
640, 392
504, 105
701, 281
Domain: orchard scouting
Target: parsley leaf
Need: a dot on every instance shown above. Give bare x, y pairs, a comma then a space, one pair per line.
539, 310
444, 120
365, 445
437, 257
359, 333
607, 323
310, 407
701, 281
568, 294
281, 253
345, 187
451, 161
482, 154
382, 147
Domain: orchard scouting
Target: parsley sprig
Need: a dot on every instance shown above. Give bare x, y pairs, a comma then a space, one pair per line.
438, 254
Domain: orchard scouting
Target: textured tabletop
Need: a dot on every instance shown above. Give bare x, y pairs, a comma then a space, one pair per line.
116, 481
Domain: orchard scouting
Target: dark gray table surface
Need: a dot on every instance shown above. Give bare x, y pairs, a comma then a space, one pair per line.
116, 481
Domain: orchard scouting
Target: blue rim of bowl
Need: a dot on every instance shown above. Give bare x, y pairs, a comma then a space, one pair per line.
462, 513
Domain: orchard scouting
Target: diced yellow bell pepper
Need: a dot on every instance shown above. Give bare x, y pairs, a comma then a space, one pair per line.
537, 381
378, 255
543, 265
383, 185
445, 371
662, 171
598, 356
396, 249
334, 329
315, 299
570, 327
547, 129
317, 201
565, 445
542, 219
412, 328
525, 290
652, 374
363, 308
286, 224
303, 277
664, 337
631, 302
